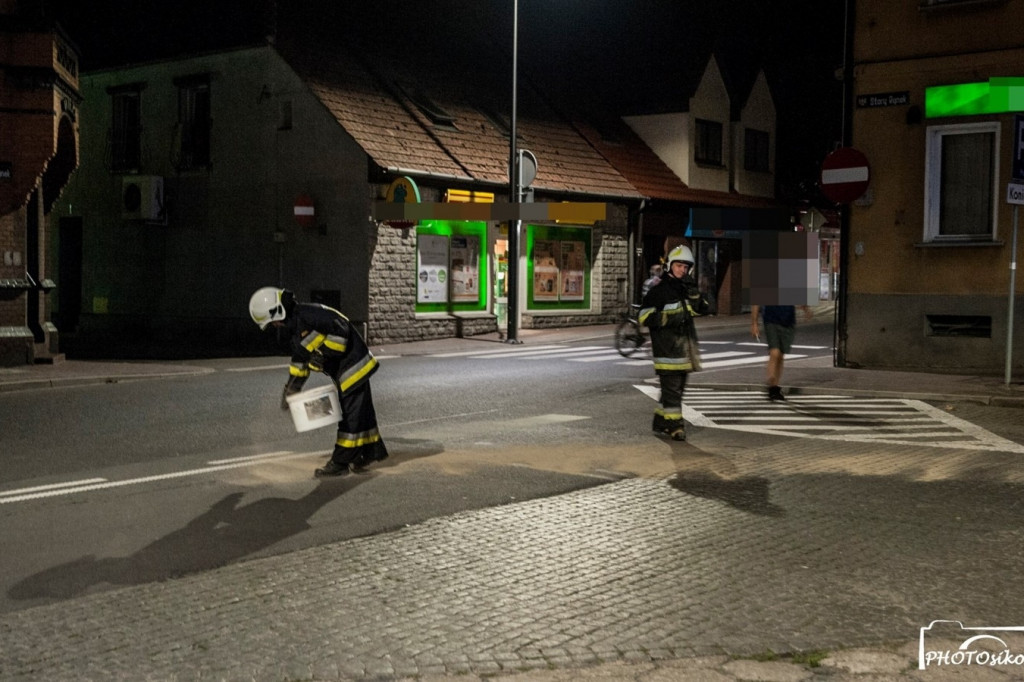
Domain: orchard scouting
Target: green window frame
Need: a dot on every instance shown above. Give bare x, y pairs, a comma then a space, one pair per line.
465, 284
558, 267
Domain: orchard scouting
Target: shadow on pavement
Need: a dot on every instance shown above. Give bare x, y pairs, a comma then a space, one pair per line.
698, 473
223, 534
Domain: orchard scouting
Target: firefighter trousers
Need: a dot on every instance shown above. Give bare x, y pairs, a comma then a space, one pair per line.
359, 441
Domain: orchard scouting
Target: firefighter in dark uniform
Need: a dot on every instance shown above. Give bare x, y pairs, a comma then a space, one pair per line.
324, 340
667, 311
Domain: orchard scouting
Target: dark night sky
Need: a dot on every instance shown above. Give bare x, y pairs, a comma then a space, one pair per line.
626, 54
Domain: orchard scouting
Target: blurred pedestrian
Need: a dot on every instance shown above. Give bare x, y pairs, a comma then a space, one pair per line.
779, 332
667, 311
652, 281
324, 340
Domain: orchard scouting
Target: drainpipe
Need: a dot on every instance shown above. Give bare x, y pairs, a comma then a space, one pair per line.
636, 250
840, 331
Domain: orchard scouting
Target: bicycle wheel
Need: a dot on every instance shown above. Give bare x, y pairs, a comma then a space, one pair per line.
628, 338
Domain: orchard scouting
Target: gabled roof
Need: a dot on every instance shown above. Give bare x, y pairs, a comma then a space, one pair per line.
374, 97
380, 124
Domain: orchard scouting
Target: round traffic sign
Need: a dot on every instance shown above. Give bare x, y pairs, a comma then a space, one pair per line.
844, 175
305, 214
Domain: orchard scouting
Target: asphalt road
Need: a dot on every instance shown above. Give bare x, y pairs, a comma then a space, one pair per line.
136, 482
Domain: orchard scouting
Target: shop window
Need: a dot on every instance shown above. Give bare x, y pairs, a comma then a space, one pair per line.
285, 115
194, 122
126, 128
960, 182
451, 266
755, 150
950, 3
558, 267
976, 326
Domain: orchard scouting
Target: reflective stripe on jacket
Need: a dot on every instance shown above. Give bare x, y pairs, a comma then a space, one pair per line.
667, 311
324, 340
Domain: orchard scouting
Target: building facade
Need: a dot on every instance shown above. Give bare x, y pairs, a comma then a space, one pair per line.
205, 177
39, 99
930, 243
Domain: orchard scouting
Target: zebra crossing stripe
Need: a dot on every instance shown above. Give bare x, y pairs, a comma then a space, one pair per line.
482, 353
590, 354
895, 421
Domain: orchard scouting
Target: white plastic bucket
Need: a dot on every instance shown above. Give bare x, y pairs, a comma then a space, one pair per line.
315, 408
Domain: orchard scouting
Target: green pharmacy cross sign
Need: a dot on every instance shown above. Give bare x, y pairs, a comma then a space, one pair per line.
997, 96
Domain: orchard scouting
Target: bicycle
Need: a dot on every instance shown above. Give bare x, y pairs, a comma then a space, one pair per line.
629, 337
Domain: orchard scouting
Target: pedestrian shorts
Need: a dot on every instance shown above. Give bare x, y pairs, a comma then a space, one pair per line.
779, 336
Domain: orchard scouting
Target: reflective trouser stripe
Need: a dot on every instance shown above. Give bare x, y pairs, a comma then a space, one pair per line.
673, 364
298, 370
355, 440
669, 412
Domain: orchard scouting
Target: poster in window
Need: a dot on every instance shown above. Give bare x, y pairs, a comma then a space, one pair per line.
545, 271
465, 268
432, 269
571, 271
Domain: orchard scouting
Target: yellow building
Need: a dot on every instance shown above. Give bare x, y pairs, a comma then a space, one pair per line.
934, 108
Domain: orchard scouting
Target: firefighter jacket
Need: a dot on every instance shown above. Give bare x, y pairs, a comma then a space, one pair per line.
323, 340
667, 311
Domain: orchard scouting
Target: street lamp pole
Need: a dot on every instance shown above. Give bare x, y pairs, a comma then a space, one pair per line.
512, 335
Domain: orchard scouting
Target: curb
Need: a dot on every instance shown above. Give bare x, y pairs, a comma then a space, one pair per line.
64, 382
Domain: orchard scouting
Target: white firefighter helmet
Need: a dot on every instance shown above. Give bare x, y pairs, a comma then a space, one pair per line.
681, 253
267, 306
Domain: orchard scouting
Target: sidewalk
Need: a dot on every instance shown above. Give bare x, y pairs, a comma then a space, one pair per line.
549, 590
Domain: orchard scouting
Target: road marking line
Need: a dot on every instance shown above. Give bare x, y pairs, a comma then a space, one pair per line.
541, 419
80, 488
248, 458
444, 416
52, 486
254, 369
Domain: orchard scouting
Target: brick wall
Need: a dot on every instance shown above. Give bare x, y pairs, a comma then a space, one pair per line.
15, 336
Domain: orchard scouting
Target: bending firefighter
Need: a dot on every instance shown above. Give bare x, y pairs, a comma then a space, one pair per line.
668, 310
324, 340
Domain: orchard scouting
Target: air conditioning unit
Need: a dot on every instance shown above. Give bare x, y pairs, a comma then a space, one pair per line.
142, 198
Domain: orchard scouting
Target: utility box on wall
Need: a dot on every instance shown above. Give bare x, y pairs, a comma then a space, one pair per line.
142, 198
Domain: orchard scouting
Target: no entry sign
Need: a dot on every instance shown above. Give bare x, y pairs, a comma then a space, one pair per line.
844, 175
305, 214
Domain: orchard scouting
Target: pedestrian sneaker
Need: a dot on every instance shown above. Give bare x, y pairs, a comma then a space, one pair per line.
332, 468
775, 394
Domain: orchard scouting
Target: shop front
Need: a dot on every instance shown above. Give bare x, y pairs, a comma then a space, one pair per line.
460, 270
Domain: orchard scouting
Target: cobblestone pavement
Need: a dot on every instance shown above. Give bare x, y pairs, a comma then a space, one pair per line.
704, 572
